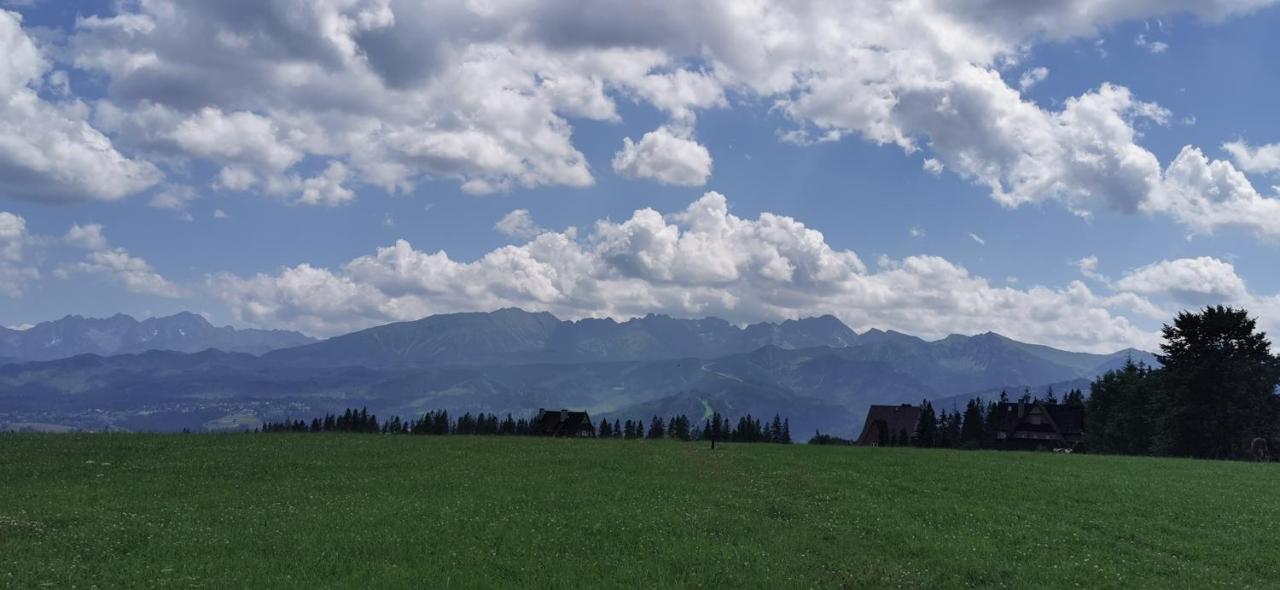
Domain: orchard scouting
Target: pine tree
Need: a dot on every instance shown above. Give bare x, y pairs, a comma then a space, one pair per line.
971, 431
656, 428
786, 431
926, 426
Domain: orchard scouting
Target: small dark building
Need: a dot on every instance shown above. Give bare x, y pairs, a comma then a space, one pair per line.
890, 424
562, 423
1035, 424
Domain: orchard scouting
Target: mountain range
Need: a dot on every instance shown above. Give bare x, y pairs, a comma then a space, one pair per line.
122, 334
816, 371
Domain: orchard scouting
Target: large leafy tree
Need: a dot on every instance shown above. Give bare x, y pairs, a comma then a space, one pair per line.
1219, 383
1123, 410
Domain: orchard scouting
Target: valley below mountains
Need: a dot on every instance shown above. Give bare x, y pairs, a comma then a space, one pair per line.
156, 375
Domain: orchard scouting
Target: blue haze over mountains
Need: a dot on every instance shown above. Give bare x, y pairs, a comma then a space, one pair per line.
181, 372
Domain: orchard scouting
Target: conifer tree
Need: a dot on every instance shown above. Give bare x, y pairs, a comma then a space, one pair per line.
656, 428
926, 426
971, 431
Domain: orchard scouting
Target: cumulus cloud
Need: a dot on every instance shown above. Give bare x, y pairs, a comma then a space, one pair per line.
1089, 268
1206, 194
88, 237
13, 240
1032, 77
1168, 286
700, 261
327, 188
174, 197
1264, 159
135, 274
1195, 280
48, 150
484, 94
13, 236
518, 224
664, 155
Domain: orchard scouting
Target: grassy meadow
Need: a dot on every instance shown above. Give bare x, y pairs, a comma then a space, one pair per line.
302, 510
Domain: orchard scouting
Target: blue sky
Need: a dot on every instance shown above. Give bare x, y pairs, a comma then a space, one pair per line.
901, 247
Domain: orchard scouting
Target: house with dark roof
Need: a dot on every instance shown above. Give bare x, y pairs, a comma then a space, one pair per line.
890, 424
562, 423
1035, 424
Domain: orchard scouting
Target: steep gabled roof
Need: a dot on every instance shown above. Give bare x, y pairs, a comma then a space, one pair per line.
562, 423
897, 419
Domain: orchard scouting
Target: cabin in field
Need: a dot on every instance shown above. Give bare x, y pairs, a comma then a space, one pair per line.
1035, 424
562, 423
888, 425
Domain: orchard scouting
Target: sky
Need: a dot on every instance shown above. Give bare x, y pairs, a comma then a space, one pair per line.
1069, 173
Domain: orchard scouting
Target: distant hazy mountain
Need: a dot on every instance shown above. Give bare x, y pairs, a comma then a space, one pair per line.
517, 336
121, 334
815, 371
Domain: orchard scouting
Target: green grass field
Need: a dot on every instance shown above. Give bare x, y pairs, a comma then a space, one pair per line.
220, 511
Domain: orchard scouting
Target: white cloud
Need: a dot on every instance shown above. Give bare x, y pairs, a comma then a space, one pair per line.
664, 155
220, 214
134, 273
235, 178
700, 261
933, 166
48, 151
174, 197
1032, 77
327, 189
1089, 268
14, 238
88, 237
916, 231
1263, 159
1206, 195
518, 224
1188, 283
1152, 46
241, 137
977, 238
1194, 280
483, 93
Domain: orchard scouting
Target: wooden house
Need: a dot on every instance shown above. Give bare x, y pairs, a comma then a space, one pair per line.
1036, 424
562, 423
887, 425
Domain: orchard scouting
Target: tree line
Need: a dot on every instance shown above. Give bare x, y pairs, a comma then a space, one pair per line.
976, 426
1214, 395
973, 428
748, 429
